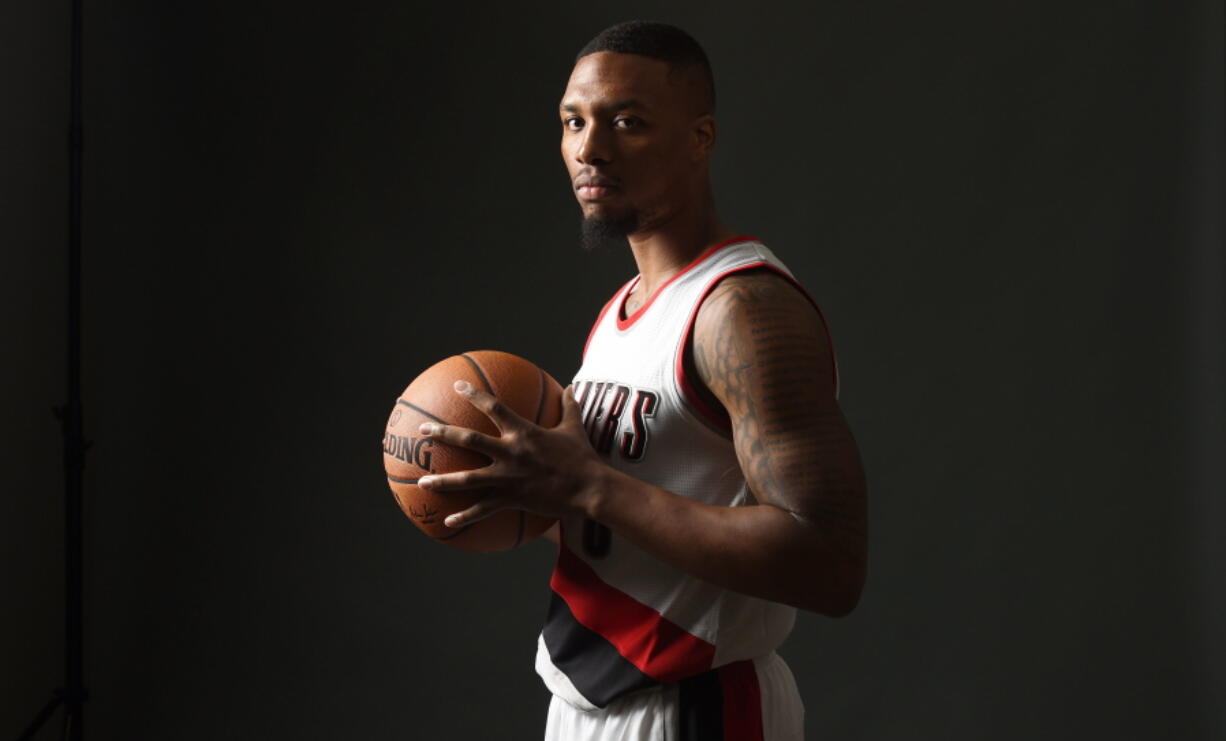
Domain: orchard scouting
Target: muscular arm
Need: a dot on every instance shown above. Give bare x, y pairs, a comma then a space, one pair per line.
761, 350
762, 353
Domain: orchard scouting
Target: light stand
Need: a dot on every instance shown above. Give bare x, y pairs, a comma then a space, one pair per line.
72, 695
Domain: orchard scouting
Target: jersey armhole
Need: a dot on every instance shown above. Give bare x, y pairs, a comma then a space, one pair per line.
718, 418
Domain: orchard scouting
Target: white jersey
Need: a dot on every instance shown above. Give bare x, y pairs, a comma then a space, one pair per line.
620, 620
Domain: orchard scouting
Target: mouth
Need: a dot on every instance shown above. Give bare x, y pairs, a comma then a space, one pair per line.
596, 192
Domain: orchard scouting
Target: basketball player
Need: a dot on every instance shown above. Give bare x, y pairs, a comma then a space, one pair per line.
706, 481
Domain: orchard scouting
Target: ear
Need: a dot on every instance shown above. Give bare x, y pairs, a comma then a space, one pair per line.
702, 134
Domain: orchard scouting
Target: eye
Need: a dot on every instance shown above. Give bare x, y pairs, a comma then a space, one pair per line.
626, 122
572, 122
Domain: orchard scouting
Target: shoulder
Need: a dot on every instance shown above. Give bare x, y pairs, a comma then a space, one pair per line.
760, 320
756, 296
759, 281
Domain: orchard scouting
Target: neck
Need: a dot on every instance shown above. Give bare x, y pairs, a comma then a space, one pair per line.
661, 251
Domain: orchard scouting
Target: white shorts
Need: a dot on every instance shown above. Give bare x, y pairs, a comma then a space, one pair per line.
745, 701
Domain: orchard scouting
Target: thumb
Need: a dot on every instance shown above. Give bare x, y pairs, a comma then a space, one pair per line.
571, 413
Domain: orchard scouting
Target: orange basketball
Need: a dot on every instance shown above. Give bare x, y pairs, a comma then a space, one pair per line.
407, 456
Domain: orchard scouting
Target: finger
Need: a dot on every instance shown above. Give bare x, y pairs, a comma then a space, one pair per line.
445, 483
475, 513
501, 414
571, 412
462, 437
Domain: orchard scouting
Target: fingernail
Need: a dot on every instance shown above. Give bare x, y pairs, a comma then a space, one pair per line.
463, 387
452, 521
426, 428
425, 482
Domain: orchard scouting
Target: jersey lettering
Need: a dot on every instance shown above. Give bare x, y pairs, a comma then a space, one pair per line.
581, 390
603, 406
611, 418
591, 411
634, 440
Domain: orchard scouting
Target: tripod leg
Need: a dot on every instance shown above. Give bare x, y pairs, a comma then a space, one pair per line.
41, 718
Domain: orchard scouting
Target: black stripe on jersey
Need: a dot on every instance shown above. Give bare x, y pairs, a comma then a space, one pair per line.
700, 707
592, 664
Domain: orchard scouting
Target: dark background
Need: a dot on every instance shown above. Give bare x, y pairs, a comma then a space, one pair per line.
1011, 214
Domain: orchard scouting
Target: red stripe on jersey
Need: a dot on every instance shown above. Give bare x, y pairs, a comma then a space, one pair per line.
600, 317
742, 701
715, 416
630, 320
660, 648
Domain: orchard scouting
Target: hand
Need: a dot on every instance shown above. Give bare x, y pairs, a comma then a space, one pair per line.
549, 471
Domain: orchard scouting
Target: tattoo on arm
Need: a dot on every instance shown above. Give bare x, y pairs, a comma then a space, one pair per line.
762, 350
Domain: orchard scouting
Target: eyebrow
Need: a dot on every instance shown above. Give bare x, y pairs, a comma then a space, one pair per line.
618, 106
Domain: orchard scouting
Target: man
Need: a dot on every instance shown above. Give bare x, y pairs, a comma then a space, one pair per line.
705, 479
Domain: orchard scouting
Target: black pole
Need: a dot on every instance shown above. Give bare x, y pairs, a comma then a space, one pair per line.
73, 693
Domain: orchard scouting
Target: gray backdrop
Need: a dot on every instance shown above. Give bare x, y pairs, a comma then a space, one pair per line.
1010, 213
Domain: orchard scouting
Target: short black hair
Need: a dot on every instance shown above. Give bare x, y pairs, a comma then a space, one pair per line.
660, 41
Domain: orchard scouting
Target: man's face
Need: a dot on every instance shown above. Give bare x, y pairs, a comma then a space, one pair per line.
628, 139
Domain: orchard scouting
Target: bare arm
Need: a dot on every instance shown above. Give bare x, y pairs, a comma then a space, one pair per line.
761, 350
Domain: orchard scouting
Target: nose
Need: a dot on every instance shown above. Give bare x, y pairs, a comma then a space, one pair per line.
593, 145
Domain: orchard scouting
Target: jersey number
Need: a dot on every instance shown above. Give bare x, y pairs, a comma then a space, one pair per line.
596, 539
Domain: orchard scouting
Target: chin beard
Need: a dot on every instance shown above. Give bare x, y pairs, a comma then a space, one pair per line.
598, 232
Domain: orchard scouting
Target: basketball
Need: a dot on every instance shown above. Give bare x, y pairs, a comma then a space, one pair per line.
407, 456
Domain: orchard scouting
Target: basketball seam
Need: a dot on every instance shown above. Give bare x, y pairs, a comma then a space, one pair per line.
458, 532
540, 405
477, 367
399, 480
419, 410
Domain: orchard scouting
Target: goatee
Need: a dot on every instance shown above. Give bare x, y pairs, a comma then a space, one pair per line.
595, 233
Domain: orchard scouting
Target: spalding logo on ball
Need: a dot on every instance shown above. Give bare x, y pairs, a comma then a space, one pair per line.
526, 389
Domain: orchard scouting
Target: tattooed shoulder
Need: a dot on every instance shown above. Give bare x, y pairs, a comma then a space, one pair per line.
755, 320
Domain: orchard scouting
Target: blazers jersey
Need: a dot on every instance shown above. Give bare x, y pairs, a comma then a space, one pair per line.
619, 619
